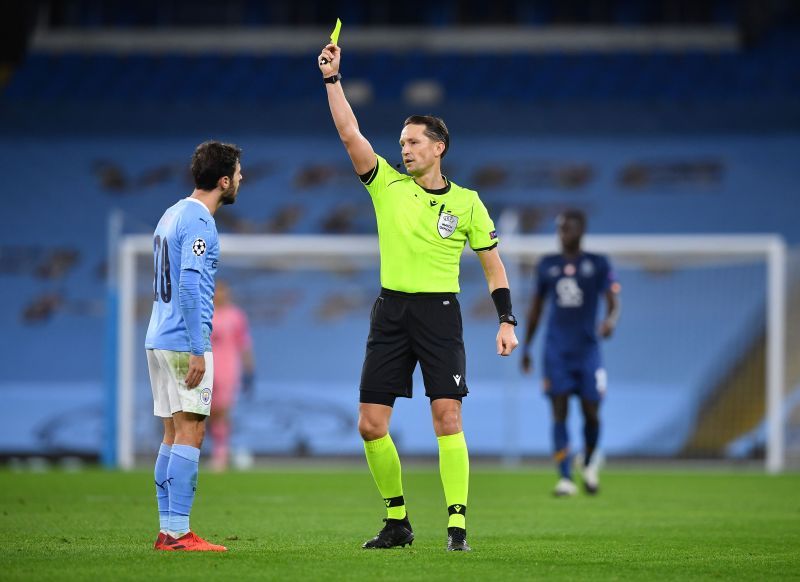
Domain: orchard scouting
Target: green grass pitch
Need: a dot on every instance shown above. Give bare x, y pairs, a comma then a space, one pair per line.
308, 524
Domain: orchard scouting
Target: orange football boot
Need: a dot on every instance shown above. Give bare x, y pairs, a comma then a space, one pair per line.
191, 542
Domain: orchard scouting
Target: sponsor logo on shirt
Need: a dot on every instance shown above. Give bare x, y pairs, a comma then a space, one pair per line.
568, 293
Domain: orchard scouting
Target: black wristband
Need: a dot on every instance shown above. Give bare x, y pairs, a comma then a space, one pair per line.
333, 78
502, 301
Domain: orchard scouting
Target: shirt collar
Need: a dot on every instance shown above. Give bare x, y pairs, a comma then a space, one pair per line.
190, 199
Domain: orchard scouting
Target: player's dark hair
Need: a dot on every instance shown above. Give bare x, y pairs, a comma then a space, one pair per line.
577, 215
213, 160
434, 128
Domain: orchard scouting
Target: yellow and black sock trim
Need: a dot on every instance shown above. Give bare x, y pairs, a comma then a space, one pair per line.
457, 509
394, 501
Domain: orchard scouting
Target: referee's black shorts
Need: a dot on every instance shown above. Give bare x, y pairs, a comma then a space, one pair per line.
406, 328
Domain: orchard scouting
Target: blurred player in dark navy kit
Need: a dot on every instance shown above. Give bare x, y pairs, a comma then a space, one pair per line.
572, 282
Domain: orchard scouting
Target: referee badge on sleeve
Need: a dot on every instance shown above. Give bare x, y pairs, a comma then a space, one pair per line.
447, 224
199, 247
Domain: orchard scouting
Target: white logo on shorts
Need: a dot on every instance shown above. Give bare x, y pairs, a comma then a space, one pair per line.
205, 396
457, 378
199, 247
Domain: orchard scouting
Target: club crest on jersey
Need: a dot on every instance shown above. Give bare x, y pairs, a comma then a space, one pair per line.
587, 268
199, 247
447, 224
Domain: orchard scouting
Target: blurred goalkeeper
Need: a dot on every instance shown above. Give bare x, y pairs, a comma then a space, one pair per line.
573, 282
424, 221
233, 369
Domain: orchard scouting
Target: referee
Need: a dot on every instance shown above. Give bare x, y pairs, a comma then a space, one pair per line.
424, 221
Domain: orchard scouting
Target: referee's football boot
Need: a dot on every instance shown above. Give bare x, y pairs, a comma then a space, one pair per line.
457, 540
396, 532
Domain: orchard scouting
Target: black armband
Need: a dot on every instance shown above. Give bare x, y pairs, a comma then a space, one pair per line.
502, 303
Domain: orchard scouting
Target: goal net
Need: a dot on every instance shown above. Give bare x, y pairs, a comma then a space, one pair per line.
697, 366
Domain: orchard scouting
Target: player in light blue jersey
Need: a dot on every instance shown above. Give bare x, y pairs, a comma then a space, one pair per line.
573, 282
185, 259
185, 247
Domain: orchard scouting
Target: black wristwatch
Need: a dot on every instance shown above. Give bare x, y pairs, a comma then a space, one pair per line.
333, 78
508, 318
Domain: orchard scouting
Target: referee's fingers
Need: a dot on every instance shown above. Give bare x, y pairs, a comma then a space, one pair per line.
508, 345
499, 345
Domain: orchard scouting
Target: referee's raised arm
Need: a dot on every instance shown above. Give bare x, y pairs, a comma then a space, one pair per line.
358, 148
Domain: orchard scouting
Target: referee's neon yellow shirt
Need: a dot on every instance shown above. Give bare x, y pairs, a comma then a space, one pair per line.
422, 233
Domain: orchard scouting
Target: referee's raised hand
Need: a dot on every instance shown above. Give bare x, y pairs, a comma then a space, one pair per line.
328, 60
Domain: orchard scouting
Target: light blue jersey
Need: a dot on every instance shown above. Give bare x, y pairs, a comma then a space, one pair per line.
185, 239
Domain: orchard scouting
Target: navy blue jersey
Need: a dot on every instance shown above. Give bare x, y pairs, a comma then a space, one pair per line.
572, 289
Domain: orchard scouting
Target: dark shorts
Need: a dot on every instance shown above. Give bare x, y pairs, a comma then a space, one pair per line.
409, 328
581, 374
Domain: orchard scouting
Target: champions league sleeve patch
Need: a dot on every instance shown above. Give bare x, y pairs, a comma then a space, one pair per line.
199, 247
493, 235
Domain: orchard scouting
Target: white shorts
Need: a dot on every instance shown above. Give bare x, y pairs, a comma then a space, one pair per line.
167, 377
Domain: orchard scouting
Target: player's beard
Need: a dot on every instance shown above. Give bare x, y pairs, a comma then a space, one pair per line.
229, 195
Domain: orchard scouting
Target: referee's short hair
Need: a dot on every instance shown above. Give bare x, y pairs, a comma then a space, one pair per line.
434, 128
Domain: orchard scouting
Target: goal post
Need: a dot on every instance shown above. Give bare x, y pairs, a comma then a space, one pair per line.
292, 252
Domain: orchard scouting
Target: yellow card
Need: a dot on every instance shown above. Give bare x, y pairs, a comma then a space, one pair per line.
335, 33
